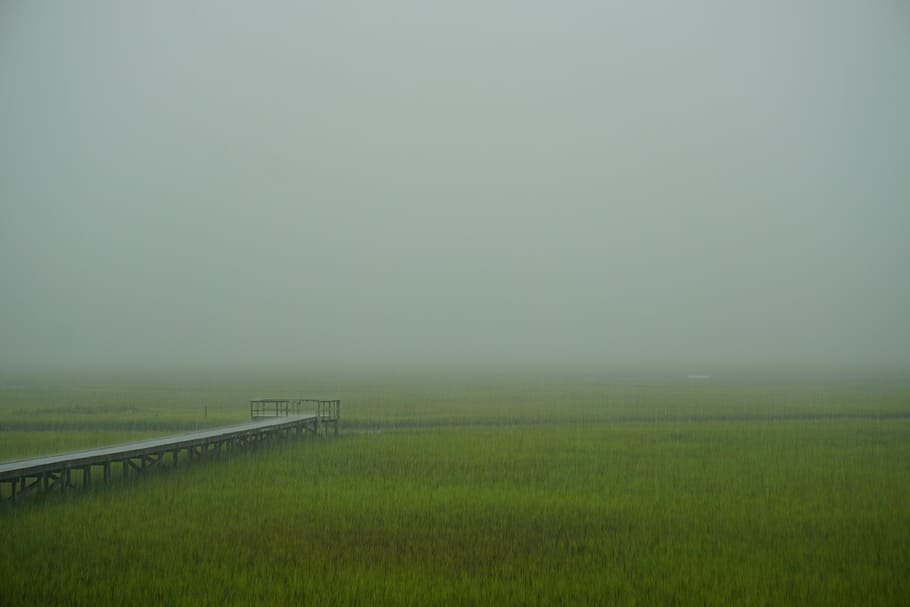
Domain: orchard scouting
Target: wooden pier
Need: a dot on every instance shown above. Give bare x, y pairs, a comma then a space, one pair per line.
75, 468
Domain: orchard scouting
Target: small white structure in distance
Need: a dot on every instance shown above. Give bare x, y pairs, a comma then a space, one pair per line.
700, 376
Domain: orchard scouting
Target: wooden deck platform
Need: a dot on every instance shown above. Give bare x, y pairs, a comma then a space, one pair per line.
66, 470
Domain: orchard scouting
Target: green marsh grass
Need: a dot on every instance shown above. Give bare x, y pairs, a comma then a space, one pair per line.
499, 493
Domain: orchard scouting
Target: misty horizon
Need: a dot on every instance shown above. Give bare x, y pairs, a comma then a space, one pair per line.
692, 184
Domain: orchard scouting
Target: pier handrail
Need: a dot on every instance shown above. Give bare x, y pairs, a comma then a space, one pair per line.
327, 412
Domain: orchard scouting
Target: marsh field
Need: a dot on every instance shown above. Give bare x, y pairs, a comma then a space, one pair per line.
523, 489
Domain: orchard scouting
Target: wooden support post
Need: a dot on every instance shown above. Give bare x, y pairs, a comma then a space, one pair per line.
86, 476
107, 472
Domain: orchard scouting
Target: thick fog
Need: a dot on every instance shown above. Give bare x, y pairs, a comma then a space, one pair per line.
293, 183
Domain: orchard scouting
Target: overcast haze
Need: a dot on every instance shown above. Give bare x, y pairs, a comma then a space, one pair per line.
218, 183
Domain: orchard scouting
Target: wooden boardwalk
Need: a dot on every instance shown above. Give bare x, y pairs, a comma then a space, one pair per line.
66, 470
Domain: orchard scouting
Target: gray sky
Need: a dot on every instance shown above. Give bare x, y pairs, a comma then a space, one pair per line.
493, 182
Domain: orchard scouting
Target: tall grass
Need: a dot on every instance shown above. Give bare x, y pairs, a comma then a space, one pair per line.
479, 502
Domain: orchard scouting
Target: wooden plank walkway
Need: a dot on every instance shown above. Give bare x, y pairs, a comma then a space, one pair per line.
57, 471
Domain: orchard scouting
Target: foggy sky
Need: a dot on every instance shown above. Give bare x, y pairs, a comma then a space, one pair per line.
492, 182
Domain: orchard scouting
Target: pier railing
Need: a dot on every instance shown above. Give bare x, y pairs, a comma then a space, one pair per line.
327, 411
